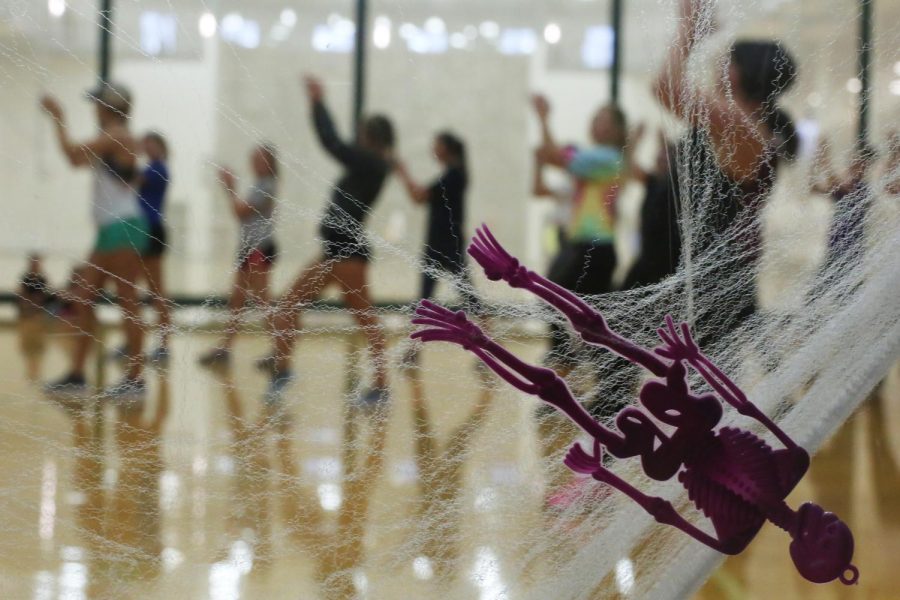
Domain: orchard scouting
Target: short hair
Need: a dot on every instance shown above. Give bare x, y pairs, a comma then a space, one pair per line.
158, 138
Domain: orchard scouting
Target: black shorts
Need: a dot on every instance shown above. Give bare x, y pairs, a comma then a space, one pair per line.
264, 255
156, 242
338, 245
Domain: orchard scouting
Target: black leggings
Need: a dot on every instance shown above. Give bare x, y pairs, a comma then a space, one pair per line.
461, 279
585, 269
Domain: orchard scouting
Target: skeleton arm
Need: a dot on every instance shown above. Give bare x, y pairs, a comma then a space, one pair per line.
445, 325
587, 321
662, 510
684, 348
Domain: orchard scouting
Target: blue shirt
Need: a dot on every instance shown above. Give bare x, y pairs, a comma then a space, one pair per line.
152, 194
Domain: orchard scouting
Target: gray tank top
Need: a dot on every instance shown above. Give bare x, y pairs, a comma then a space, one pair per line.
257, 229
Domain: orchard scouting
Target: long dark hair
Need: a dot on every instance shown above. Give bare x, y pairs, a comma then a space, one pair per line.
379, 131
765, 71
457, 149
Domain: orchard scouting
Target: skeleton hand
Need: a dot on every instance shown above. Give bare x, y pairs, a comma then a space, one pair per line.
580, 461
447, 326
677, 347
496, 261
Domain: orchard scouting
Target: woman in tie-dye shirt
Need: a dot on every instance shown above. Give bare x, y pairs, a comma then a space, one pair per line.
586, 262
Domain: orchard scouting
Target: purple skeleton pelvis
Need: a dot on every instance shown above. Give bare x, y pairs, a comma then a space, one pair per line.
732, 475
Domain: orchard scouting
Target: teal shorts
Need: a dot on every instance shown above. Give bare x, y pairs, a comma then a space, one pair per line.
125, 234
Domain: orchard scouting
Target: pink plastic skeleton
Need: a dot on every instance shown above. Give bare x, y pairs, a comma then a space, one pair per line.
733, 476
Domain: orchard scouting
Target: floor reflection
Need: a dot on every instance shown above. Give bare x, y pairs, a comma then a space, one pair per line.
205, 491
116, 495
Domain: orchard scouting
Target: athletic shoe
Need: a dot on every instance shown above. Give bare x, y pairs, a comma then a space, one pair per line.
127, 390
373, 399
265, 363
160, 356
277, 385
69, 386
216, 356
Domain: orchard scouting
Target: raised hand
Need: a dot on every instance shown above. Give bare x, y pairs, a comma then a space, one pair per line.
445, 325
314, 89
541, 106
677, 347
52, 107
227, 179
496, 261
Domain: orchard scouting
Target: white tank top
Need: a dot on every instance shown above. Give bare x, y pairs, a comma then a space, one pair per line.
114, 197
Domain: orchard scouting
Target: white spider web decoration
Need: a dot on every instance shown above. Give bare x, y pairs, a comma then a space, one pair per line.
204, 491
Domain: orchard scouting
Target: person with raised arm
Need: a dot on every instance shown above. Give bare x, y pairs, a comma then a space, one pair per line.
257, 251
739, 138
122, 235
346, 252
588, 258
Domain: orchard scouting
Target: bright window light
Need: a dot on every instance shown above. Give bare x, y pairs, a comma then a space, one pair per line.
458, 40
854, 85
288, 17
597, 49
159, 33
552, 33
489, 29
381, 32
435, 25
56, 8
207, 25
518, 41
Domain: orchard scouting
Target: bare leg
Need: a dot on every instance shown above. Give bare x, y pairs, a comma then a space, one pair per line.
236, 302
88, 284
258, 291
351, 276
126, 269
306, 288
153, 272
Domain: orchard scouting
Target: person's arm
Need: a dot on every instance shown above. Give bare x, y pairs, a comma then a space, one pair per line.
417, 193
738, 140
241, 209
539, 187
348, 155
78, 155
550, 152
632, 168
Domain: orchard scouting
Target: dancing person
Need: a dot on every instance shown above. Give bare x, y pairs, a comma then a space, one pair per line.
33, 298
256, 245
444, 251
660, 246
122, 235
588, 258
154, 182
345, 250
739, 138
